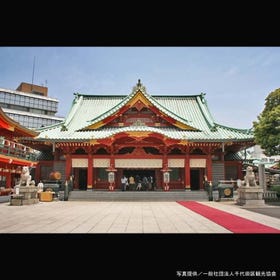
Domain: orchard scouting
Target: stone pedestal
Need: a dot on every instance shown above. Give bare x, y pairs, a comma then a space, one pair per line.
27, 195
250, 196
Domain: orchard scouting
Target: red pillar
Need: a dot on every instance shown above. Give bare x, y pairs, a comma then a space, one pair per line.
239, 171
76, 175
90, 170
68, 166
187, 172
164, 165
209, 167
8, 180
37, 172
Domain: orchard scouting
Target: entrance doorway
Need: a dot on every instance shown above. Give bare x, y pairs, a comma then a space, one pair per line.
82, 178
141, 173
195, 179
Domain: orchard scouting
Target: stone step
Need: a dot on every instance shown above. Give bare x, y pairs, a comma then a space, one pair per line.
137, 195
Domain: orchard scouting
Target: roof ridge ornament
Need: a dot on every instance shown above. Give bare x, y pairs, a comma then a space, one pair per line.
139, 86
202, 96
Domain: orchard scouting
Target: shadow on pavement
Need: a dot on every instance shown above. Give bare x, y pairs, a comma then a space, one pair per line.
273, 211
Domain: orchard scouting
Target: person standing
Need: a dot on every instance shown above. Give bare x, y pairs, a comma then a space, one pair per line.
150, 183
124, 182
145, 183
139, 185
131, 183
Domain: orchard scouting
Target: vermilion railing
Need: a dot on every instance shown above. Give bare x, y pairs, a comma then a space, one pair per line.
14, 149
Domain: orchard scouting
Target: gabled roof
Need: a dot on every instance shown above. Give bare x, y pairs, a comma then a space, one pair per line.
138, 95
189, 116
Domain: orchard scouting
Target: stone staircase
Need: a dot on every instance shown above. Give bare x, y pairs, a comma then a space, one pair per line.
77, 195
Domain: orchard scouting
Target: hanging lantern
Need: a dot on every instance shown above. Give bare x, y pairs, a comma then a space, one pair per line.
166, 177
111, 177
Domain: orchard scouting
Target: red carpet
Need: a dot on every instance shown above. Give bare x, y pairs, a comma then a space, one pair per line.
229, 221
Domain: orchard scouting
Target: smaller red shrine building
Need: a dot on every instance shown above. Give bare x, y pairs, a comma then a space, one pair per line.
13, 154
141, 134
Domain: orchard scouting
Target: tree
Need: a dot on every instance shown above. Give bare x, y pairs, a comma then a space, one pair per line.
267, 128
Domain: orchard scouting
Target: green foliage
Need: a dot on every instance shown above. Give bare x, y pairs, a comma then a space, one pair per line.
267, 128
272, 100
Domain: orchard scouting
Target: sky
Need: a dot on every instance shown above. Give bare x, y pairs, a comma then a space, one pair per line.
236, 80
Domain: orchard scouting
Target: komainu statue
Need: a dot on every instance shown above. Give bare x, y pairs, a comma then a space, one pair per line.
25, 178
249, 179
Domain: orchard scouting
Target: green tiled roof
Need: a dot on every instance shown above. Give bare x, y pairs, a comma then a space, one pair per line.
154, 100
191, 110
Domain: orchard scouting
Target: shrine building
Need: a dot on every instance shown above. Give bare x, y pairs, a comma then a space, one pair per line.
140, 135
13, 154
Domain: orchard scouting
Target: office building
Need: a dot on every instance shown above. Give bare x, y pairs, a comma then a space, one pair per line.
30, 106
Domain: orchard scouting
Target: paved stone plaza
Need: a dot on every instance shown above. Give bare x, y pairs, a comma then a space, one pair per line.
119, 217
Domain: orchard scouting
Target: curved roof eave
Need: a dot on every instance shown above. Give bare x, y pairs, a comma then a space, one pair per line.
15, 125
193, 136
